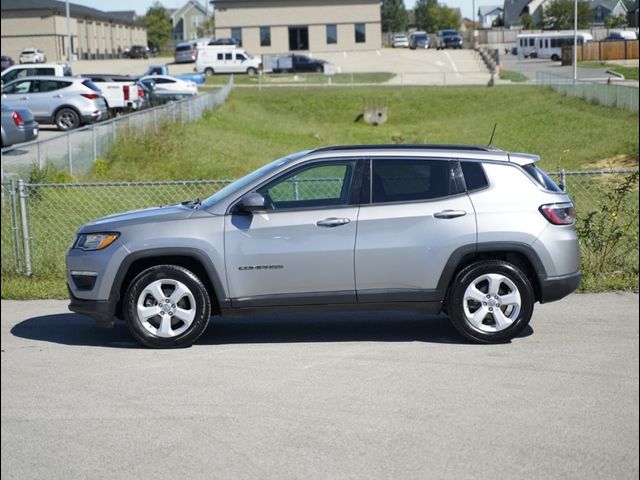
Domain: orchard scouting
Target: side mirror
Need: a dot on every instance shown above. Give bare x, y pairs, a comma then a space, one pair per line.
251, 202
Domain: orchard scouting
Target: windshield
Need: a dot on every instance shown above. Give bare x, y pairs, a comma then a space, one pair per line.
248, 179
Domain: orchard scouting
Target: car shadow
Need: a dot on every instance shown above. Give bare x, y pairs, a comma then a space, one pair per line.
79, 330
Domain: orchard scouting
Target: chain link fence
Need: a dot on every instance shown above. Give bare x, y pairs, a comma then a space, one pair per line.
39, 221
619, 96
76, 151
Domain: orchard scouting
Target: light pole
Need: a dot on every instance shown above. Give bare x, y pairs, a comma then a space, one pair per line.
68, 34
473, 23
575, 41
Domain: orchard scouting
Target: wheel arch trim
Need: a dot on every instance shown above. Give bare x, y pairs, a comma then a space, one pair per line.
162, 252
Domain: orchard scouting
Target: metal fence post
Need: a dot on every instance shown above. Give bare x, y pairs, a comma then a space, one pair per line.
563, 179
26, 241
14, 224
95, 146
70, 154
40, 165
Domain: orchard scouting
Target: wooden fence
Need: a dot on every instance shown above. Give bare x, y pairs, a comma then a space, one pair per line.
612, 50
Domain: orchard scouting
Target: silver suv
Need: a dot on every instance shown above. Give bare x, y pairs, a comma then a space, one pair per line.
476, 232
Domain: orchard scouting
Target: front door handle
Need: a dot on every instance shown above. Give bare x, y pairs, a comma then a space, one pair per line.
58, 96
332, 222
450, 214
24, 98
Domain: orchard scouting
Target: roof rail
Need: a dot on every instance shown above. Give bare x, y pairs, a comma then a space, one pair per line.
403, 146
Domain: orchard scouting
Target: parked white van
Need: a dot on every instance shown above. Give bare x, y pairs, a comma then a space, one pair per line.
225, 59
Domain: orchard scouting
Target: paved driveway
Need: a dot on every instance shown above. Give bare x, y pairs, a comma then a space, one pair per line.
323, 396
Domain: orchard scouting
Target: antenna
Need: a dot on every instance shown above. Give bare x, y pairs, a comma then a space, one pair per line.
492, 134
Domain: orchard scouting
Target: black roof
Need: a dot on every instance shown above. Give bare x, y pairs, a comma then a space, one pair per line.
76, 11
403, 146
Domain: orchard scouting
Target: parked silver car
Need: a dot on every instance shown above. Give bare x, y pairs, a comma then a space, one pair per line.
18, 125
67, 102
478, 232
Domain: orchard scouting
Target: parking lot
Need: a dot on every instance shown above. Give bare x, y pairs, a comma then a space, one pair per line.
383, 395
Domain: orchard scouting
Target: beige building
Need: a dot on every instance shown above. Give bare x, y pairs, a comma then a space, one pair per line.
280, 26
43, 24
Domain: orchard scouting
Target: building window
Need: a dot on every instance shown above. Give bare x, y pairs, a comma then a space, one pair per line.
298, 38
265, 36
332, 34
361, 36
236, 33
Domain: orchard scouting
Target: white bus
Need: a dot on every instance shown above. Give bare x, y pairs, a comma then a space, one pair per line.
549, 45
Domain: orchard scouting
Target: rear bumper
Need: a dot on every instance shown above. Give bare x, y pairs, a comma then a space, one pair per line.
555, 288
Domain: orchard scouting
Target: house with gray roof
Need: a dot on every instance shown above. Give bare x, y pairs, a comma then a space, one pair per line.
487, 14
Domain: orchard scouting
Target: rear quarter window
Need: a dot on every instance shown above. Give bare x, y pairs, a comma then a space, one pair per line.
91, 85
541, 178
474, 176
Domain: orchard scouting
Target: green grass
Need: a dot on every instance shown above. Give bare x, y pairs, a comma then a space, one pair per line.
630, 73
255, 127
303, 79
513, 76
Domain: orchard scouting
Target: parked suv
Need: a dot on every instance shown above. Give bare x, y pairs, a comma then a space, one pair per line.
448, 39
66, 102
419, 40
474, 231
32, 55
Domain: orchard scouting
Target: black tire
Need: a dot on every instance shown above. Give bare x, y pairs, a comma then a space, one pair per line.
319, 69
251, 71
555, 58
67, 119
195, 301
513, 320
208, 72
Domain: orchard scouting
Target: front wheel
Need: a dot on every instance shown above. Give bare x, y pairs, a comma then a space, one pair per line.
252, 71
490, 301
208, 72
167, 306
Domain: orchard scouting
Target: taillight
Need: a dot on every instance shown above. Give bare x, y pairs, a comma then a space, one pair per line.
125, 89
17, 119
558, 213
140, 92
90, 96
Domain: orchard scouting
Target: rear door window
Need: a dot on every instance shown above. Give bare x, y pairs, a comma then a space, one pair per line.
400, 180
474, 176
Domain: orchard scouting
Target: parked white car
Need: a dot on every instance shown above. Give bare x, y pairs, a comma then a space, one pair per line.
226, 59
400, 41
164, 84
32, 55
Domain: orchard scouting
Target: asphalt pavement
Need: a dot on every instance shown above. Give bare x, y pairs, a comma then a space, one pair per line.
323, 396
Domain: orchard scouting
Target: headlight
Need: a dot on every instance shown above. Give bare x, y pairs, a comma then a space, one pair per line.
95, 241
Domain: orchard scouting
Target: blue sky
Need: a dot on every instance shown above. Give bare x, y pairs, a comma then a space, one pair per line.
141, 6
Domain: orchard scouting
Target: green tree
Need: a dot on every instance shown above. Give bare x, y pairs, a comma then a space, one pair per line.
207, 28
615, 22
498, 22
558, 15
394, 16
158, 26
432, 17
527, 22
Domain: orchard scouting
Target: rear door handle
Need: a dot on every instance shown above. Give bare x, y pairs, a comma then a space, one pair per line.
332, 222
450, 214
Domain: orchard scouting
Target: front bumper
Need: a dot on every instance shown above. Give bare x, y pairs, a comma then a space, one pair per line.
555, 288
103, 311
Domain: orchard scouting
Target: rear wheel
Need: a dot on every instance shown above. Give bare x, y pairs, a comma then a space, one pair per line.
167, 306
67, 119
490, 301
555, 57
